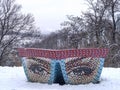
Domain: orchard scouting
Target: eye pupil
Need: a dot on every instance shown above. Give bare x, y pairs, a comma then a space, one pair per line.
36, 69
82, 71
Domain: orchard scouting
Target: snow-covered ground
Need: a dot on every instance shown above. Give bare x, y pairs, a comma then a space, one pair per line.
13, 78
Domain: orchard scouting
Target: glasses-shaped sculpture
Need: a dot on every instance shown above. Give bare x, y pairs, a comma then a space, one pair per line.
75, 66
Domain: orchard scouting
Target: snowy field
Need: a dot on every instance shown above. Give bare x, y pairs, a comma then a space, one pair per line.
13, 78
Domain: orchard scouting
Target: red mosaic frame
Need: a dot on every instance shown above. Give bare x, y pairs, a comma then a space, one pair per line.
61, 54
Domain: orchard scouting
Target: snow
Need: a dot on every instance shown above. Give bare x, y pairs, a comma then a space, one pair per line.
13, 78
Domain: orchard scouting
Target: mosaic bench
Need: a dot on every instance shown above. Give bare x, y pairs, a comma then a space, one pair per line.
75, 66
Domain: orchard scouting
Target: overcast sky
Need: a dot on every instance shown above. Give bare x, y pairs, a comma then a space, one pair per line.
50, 13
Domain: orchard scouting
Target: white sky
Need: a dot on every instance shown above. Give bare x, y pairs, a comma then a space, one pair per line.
50, 13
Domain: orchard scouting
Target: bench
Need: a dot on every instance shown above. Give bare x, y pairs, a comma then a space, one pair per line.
67, 66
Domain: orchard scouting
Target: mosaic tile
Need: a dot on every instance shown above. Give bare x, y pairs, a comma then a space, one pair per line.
79, 66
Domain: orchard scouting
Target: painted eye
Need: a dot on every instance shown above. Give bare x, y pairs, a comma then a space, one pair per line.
37, 69
81, 71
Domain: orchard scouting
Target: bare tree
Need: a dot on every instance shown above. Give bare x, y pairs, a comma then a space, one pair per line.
114, 9
75, 27
95, 20
100, 11
12, 23
64, 38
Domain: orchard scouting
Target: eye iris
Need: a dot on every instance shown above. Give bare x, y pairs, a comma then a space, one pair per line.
82, 71
36, 69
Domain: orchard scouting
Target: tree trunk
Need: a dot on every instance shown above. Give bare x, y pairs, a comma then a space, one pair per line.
114, 25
